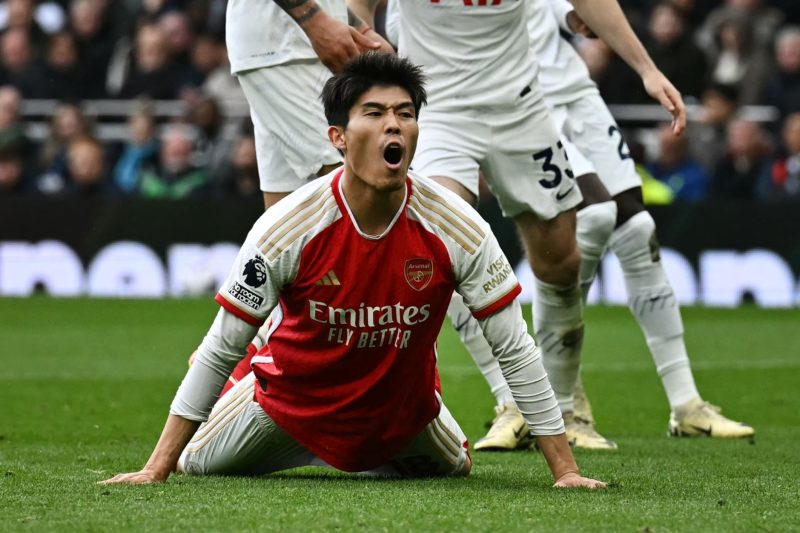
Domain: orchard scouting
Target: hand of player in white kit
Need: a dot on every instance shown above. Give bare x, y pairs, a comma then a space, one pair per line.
336, 42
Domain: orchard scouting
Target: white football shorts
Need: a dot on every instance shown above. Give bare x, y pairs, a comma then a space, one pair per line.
596, 143
516, 146
292, 143
239, 438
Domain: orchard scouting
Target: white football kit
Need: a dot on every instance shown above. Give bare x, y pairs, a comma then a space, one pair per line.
485, 110
282, 77
594, 142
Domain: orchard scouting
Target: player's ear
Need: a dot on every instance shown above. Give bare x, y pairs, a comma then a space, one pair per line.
336, 135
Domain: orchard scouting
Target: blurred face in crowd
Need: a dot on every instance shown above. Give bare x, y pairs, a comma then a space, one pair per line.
151, 48
666, 26
86, 18
10, 173
141, 126
15, 49
68, 122
175, 25
206, 115
717, 108
787, 52
206, 54
10, 102
176, 149
745, 139
673, 147
63, 53
731, 37
20, 13
749, 5
85, 162
244, 154
791, 133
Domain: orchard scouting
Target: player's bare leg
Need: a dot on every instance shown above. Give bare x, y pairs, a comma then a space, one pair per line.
652, 302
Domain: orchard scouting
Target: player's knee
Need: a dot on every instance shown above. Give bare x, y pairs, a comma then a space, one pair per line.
636, 239
595, 225
559, 269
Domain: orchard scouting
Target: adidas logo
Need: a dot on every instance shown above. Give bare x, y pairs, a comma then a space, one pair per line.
328, 279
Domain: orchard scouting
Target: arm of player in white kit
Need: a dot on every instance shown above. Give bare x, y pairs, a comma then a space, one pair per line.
222, 348
606, 19
334, 42
521, 363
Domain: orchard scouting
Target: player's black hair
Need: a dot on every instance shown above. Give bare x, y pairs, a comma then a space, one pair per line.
365, 71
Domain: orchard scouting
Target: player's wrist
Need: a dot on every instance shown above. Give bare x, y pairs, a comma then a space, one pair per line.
314, 21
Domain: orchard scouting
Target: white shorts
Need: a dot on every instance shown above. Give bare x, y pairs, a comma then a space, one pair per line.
596, 145
290, 128
516, 147
239, 438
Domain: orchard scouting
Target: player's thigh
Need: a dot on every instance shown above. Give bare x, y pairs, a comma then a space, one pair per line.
593, 131
289, 121
239, 438
526, 166
441, 449
450, 145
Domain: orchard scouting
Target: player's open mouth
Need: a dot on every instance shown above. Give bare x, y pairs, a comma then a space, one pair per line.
393, 155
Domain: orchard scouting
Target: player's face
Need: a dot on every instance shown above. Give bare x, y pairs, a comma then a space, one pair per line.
380, 138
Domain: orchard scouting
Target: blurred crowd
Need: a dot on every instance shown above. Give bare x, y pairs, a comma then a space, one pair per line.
724, 56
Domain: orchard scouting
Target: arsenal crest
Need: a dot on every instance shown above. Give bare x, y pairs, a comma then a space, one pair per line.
419, 273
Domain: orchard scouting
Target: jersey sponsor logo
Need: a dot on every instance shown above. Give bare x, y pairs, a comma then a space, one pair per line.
255, 272
246, 296
418, 272
386, 325
328, 279
498, 271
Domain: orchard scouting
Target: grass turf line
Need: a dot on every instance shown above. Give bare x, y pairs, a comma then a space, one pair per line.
86, 385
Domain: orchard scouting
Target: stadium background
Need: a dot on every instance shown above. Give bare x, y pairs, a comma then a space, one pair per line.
125, 144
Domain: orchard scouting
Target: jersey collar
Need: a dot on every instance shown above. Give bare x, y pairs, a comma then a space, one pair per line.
336, 186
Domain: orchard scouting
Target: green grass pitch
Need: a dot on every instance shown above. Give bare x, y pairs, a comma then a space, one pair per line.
85, 386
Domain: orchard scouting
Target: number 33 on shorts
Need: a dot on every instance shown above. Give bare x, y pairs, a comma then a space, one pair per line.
557, 168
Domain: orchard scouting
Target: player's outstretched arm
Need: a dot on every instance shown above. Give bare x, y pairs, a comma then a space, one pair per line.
164, 459
521, 364
558, 454
607, 20
334, 42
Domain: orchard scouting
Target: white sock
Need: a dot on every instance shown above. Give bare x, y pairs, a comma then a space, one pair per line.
653, 304
558, 322
595, 225
469, 331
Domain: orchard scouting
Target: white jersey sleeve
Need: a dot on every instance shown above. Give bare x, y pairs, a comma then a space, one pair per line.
521, 363
261, 34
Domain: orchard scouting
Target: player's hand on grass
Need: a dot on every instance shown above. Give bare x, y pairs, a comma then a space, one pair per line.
142, 477
573, 480
660, 88
335, 42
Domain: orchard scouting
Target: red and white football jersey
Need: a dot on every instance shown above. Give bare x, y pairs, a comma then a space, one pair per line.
348, 368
